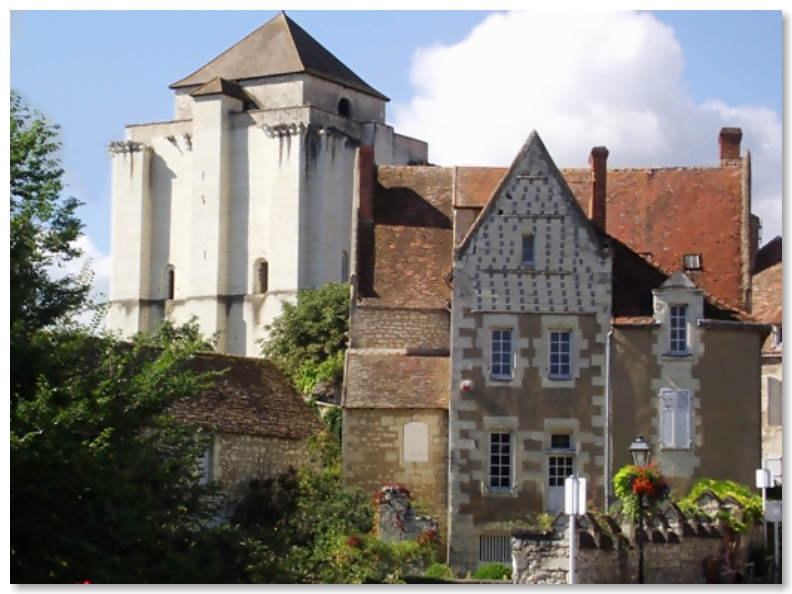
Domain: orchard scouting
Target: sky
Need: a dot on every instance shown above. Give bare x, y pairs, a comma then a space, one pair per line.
654, 87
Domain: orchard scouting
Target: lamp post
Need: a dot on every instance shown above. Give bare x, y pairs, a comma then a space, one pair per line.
640, 455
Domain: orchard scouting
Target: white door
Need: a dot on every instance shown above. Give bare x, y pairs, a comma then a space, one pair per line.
558, 468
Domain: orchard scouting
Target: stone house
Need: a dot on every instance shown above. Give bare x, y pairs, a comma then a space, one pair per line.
565, 341
257, 422
245, 196
768, 308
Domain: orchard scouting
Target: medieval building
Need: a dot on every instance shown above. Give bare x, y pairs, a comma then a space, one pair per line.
245, 196
508, 326
541, 319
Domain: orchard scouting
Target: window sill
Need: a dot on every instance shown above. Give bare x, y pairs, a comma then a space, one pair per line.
501, 378
498, 493
559, 378
677, 356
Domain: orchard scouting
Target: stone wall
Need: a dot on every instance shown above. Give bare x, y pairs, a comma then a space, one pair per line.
373, 455
384, 327
236, 459
674, 551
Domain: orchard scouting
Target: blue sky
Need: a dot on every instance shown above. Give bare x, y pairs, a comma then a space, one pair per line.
654, 88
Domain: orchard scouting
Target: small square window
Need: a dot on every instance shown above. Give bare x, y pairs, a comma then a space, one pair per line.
560, 441
692, 261
528, 251
560, 355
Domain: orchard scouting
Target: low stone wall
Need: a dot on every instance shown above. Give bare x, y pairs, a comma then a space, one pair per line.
674, 551
387, 327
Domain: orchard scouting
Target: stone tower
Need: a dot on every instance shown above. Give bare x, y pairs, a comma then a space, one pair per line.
245, 196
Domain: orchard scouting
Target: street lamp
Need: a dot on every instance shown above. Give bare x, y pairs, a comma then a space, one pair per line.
640, 455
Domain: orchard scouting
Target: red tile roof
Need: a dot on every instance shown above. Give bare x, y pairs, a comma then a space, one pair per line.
412, 236
767, 295
664, 212
251, 397
396, 381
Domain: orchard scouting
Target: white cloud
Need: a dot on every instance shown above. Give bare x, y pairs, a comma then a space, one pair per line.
580, 80
92, 259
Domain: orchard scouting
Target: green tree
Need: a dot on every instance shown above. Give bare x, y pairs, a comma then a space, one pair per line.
42, 232
307, 341
104, 482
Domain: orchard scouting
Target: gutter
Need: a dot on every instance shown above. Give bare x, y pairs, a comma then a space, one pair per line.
606, 452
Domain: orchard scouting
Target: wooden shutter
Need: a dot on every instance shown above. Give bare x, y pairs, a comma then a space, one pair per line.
667, 417
682, 419
773, 401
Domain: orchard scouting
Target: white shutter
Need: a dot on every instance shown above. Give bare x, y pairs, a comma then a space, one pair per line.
773, 401
667, 417
682, 419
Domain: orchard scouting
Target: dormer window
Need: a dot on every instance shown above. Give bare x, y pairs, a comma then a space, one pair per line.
691, 262
344, 108
678, 329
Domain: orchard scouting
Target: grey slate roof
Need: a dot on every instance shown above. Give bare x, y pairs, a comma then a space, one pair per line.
279, 46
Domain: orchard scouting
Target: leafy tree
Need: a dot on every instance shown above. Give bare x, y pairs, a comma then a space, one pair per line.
104, 482
42, 232
307, 341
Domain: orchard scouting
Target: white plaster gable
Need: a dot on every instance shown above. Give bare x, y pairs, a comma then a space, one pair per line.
571, 270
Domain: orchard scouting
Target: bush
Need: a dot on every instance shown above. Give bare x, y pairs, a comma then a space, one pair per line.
493, 571
750, 501
439, 571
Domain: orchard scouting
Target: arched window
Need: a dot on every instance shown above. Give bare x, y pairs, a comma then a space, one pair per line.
344, 266
344, 108
171, 274
261, 276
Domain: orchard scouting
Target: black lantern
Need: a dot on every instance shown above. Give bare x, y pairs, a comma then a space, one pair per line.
640, 451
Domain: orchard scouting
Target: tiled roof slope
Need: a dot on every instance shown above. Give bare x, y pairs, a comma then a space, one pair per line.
665, 212
252, 397
396, 381
412, 236
279, 46
768, 294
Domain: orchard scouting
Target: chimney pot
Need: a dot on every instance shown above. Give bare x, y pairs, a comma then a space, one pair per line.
598, 160
729, 142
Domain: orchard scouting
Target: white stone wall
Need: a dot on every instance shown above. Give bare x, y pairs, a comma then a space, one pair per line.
213, 194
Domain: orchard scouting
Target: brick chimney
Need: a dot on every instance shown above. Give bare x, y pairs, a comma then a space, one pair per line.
729, 142
599, 186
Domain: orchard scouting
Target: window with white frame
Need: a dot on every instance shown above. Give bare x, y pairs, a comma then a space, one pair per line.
528, 251
501, 354
678, 326
558, 469
500, 460
494, 548
560, 354
675, 418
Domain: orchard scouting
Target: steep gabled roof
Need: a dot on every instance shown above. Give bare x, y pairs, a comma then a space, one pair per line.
251, 397
533, 145
279, 46
663, 213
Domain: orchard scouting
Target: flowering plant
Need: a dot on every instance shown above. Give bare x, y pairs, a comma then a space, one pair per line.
632, 482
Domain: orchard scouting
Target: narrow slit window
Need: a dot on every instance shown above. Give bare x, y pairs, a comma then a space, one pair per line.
344, 266
262, 276
171, 282
528, 251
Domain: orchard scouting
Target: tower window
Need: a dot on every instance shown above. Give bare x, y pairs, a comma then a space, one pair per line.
344, 108
262, 276
171, 281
